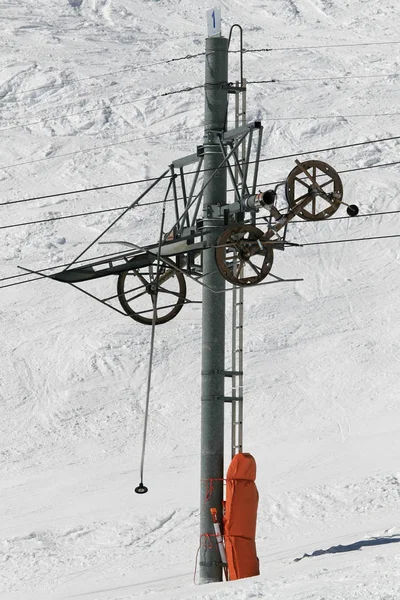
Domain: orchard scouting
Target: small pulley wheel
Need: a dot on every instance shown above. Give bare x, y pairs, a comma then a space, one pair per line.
243, 257
139, 290
141, 489
317, 187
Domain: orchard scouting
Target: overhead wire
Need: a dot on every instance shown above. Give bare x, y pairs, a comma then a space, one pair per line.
79, 191
338, 77
136, 203
106, 210
130, 102
117, 208
93, 148
367, 238
338, 116
83, 150
189, 88
346, 218
190, 56
375, 237
182, 90
268, 159
111, 255
101, 75
323, 46
75, 114
166, 175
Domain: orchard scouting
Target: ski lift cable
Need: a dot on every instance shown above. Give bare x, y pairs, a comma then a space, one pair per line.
376, 237
113, 185
337, 77
322, 242
191, 56
106, 210
101, 75
42, 272
191, 88
352, 45
107, 106
130, 102
63, 155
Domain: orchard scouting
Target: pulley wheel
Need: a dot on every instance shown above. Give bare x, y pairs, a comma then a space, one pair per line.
139, 290
242, 257
318, 186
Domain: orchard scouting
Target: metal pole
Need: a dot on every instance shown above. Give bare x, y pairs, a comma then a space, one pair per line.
213, 343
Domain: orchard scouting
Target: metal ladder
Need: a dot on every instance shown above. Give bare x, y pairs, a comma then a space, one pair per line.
237, 371
237, 309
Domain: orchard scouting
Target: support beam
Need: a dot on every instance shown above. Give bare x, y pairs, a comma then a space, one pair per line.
213, 344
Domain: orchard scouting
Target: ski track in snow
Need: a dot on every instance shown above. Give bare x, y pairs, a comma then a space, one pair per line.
322, 356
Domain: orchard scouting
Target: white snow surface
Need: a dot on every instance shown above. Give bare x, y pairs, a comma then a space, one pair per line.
322, 355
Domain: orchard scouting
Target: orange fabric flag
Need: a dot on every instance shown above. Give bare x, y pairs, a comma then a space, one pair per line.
240, 517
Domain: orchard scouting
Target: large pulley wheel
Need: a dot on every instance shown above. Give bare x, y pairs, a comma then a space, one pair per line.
242, 256
139, 290
317, 187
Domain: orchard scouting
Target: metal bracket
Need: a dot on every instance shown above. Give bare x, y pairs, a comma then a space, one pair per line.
213, 399
215, 211
233, 89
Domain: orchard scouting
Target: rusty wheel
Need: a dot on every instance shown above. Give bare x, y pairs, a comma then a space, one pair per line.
139, 289
243, 258
317, 186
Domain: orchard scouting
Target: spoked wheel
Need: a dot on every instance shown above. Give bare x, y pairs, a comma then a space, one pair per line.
318, 185
139, 288
242, 257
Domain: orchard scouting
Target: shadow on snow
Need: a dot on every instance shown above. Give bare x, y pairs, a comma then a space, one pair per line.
352, 547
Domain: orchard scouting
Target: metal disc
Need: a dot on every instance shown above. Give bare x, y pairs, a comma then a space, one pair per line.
141, 489
352, 210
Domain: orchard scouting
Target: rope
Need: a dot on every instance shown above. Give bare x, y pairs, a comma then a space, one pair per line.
206, 543
142, 489
209, 491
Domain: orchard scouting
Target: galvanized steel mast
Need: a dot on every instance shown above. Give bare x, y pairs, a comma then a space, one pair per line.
213, 342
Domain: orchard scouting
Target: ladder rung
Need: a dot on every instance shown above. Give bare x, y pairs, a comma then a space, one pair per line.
232, 398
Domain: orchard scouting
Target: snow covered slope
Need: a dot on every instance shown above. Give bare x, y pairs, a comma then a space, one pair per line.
81, 86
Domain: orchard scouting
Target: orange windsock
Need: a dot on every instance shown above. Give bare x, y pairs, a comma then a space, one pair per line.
240, 517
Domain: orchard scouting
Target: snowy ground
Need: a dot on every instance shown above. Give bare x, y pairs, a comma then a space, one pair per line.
322, 356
